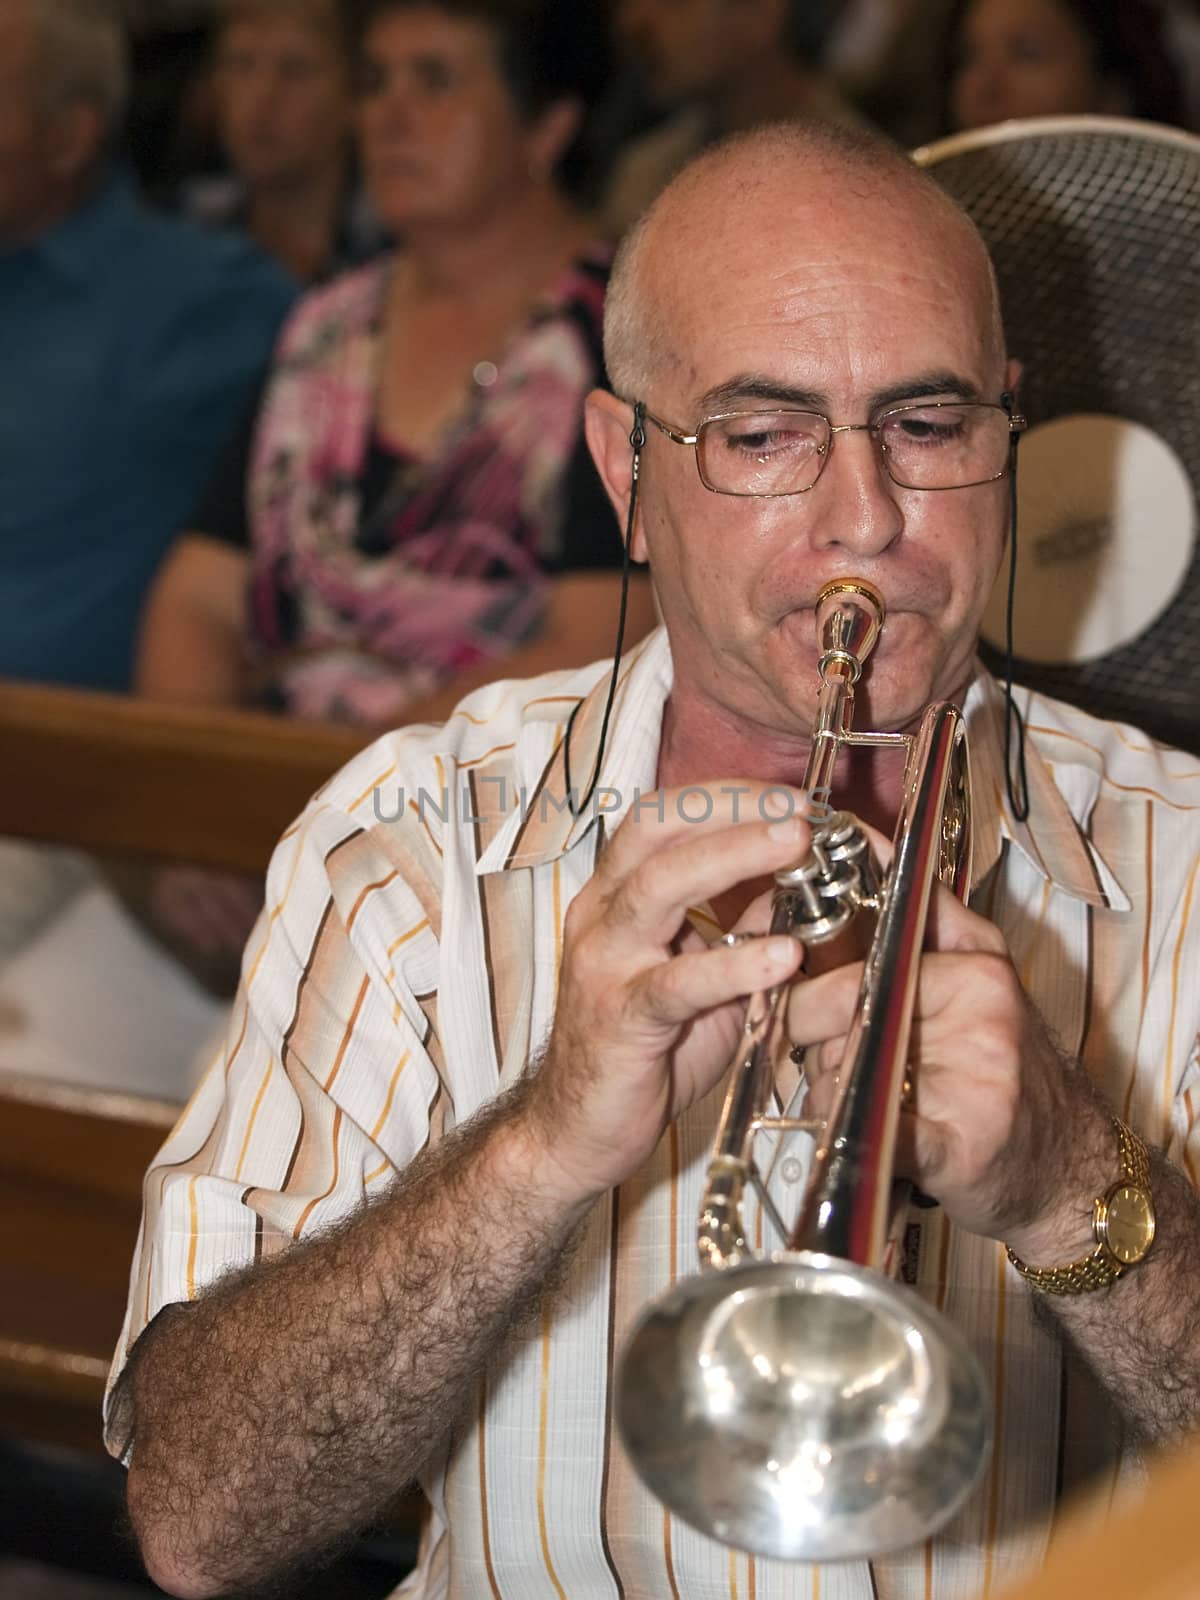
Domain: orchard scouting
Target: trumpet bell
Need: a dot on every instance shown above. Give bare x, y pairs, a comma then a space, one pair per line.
803, 1408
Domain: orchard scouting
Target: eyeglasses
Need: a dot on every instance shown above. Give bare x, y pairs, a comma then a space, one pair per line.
941, 444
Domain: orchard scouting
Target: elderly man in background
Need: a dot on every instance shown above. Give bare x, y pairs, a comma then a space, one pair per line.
131, 346
460, 1135
131, 343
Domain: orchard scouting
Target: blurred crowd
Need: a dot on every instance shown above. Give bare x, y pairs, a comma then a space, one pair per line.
300, 300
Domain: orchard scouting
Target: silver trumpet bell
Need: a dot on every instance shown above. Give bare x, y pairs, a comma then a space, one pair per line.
803, 1406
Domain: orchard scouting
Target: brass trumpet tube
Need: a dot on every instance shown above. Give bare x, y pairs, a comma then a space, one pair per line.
849, 619
849, 1198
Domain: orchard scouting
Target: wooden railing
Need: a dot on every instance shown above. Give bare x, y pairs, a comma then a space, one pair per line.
111, 774
117, 776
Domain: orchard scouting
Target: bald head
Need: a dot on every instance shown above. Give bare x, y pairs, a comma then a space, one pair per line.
736, 209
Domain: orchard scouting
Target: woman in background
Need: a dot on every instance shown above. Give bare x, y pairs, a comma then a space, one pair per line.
413, 511
1036, 58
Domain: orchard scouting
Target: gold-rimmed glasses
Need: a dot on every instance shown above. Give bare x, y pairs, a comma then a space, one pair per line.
932, 444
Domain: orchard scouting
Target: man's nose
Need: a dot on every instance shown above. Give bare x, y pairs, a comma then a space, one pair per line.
857, 504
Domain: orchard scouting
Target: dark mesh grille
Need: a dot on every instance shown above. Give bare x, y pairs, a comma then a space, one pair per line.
1095, 232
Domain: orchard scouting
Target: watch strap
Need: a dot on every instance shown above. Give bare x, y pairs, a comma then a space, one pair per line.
1135, 1158
1096, 1271
1101, 1268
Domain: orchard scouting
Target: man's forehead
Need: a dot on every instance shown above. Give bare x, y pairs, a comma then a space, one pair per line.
863, 293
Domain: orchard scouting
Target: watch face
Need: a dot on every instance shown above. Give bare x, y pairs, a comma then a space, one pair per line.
1130, 1225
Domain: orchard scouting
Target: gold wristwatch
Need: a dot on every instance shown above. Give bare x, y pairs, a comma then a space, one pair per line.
1122, 1223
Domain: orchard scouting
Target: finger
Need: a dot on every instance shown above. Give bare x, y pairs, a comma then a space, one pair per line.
657, 820
754, 922
676, 991
923, 1149
965, 991
950, 925
756, 918
824, 1007
652, 901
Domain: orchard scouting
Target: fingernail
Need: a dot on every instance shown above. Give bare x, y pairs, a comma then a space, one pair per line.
789, 831
781, 953
777, 803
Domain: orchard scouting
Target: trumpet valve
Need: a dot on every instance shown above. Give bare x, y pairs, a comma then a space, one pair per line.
833, 883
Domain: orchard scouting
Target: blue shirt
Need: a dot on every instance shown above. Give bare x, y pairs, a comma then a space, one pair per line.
130, 345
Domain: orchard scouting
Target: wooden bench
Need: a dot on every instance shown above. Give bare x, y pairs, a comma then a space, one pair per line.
112, 775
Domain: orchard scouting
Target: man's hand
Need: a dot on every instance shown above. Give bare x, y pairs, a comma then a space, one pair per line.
648, 1016
1003, 1130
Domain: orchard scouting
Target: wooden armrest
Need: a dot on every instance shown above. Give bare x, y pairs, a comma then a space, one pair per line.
71, 1166
116, 775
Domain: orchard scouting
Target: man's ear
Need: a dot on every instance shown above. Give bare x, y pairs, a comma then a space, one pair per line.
1012, 376
607, 423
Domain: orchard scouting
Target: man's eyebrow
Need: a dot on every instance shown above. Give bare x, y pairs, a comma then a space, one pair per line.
752, 386
926, 385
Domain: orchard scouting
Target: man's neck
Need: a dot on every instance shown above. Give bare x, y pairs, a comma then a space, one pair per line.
703, 743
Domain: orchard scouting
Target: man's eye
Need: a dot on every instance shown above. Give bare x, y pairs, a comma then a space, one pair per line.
926, 427
767, 441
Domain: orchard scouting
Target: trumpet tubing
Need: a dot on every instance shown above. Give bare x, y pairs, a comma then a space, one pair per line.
803, 1406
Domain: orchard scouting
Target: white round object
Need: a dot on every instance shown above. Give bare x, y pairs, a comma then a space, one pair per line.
1106, 530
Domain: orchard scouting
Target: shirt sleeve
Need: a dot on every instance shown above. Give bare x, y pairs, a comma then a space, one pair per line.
326, 1087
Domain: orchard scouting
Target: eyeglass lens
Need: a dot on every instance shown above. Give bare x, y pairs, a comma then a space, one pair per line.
923, 447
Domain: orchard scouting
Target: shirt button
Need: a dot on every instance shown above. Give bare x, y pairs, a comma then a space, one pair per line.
791, 1171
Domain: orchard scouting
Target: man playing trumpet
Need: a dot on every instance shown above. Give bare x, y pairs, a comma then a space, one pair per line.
460, 1133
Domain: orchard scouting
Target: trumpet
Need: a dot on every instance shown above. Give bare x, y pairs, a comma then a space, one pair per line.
802, 1405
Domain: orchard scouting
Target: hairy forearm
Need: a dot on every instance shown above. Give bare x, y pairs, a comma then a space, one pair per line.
289, 1404
1141, 1335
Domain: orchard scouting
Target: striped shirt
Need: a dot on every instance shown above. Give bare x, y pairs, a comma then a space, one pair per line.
407, 966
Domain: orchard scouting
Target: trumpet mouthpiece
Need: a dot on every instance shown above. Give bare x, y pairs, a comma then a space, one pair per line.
850, 613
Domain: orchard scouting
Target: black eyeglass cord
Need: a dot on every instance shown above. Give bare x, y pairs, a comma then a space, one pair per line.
637, 440
1015, 780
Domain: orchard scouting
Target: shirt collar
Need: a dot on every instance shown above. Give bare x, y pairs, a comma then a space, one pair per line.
78, 247
1053, 838
543, 825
